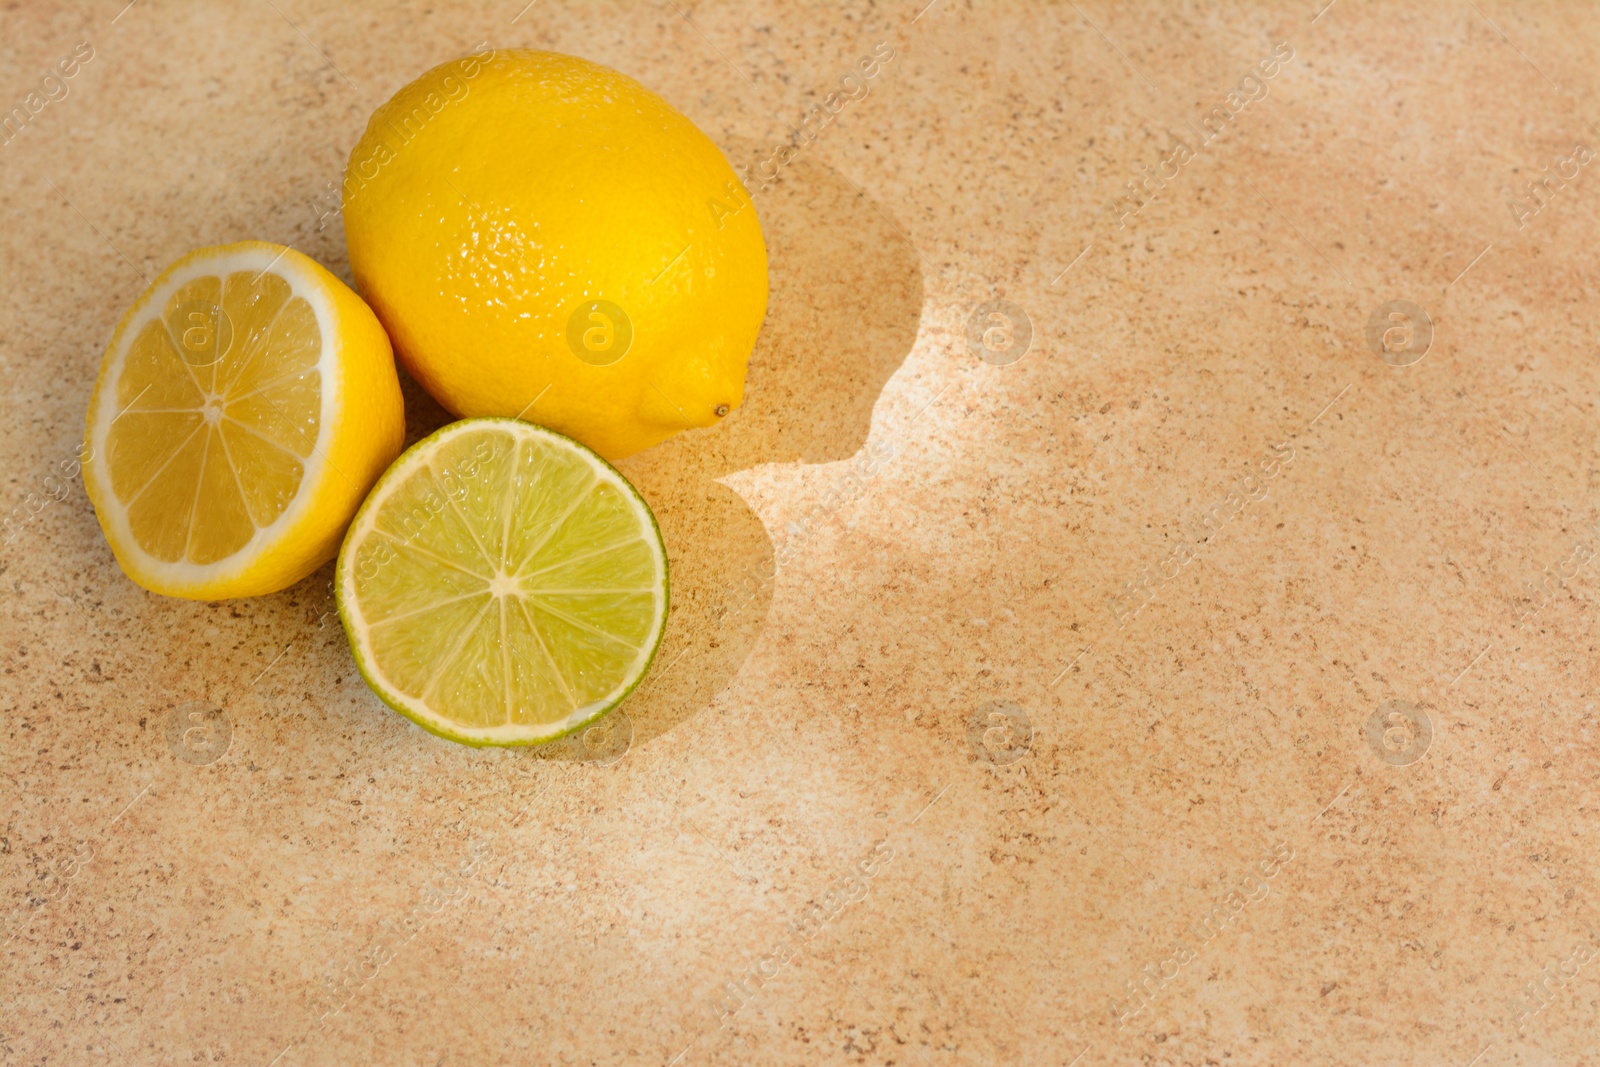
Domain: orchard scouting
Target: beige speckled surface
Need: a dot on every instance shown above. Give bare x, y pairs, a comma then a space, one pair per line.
803, 807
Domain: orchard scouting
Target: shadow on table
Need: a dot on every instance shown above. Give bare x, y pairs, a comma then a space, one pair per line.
846, 298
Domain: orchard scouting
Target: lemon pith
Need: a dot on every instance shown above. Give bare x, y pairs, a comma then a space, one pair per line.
503, 584
543, 237
244, 405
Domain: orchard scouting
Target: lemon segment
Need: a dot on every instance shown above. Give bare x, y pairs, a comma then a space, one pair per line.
503, 584
244, 405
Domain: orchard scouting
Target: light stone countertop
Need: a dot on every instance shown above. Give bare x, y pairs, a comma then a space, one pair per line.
1214, 683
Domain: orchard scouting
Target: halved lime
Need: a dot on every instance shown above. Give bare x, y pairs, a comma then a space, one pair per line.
502, 585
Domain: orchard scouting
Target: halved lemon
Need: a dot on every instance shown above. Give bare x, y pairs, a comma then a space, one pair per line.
246, 404
503, 584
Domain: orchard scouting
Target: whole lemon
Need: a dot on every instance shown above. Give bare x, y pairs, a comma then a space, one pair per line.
545, 238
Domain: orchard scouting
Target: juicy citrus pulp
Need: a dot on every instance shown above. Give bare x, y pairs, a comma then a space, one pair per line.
503, 584
244, 405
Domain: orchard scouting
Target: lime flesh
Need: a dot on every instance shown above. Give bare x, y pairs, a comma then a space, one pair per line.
503, 584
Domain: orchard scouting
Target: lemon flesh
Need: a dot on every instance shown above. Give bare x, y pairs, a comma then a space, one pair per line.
544, 237
244, 405
503, 584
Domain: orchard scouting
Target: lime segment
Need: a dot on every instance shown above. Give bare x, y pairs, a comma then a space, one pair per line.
503, 584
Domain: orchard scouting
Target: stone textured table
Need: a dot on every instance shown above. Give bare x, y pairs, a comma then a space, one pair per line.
1145, 611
